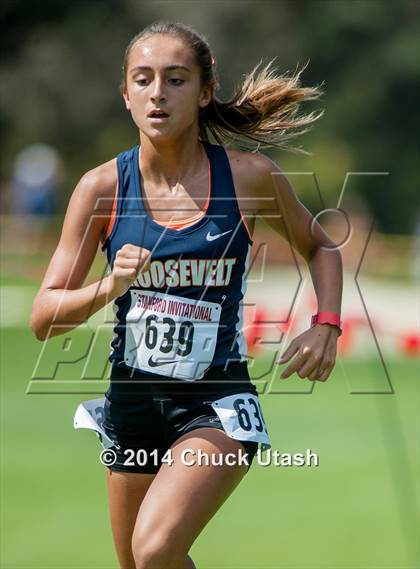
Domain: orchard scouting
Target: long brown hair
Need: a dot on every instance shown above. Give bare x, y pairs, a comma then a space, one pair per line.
264, 107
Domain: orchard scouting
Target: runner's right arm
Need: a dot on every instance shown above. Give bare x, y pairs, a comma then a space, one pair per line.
62, 303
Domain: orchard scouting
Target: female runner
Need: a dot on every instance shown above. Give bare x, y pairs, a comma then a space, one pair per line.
175, 216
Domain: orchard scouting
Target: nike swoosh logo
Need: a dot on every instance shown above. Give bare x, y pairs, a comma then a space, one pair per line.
152, 362
213, 237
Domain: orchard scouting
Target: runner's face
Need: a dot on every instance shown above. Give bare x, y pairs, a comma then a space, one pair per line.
162, 74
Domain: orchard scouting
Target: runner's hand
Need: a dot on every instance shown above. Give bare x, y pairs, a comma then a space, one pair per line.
315, 351
130, 260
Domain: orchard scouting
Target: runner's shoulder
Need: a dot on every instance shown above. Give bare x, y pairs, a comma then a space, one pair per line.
96, 188
252, 174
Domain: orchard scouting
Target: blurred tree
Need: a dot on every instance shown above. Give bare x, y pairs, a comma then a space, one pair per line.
61, 66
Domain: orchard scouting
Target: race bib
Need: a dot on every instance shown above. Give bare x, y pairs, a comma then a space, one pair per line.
242, 418
171, 335
90, 415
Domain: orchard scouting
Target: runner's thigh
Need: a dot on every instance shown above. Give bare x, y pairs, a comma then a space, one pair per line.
126, 491
182, 499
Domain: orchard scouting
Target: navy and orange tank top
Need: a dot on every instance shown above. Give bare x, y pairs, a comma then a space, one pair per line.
185, 314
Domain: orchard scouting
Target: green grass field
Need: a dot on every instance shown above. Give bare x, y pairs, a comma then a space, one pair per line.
358, 509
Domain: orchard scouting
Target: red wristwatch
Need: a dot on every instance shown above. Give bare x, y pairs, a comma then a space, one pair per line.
327, 318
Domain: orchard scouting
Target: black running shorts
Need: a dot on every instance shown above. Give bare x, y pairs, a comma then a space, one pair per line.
145, 414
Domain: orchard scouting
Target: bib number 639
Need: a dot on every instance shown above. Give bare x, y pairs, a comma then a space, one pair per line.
242, 418
249, 414
185, 335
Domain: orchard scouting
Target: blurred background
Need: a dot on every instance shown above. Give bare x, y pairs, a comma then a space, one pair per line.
61, 114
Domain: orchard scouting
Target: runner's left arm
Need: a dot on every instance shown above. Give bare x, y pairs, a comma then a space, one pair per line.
290, 219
